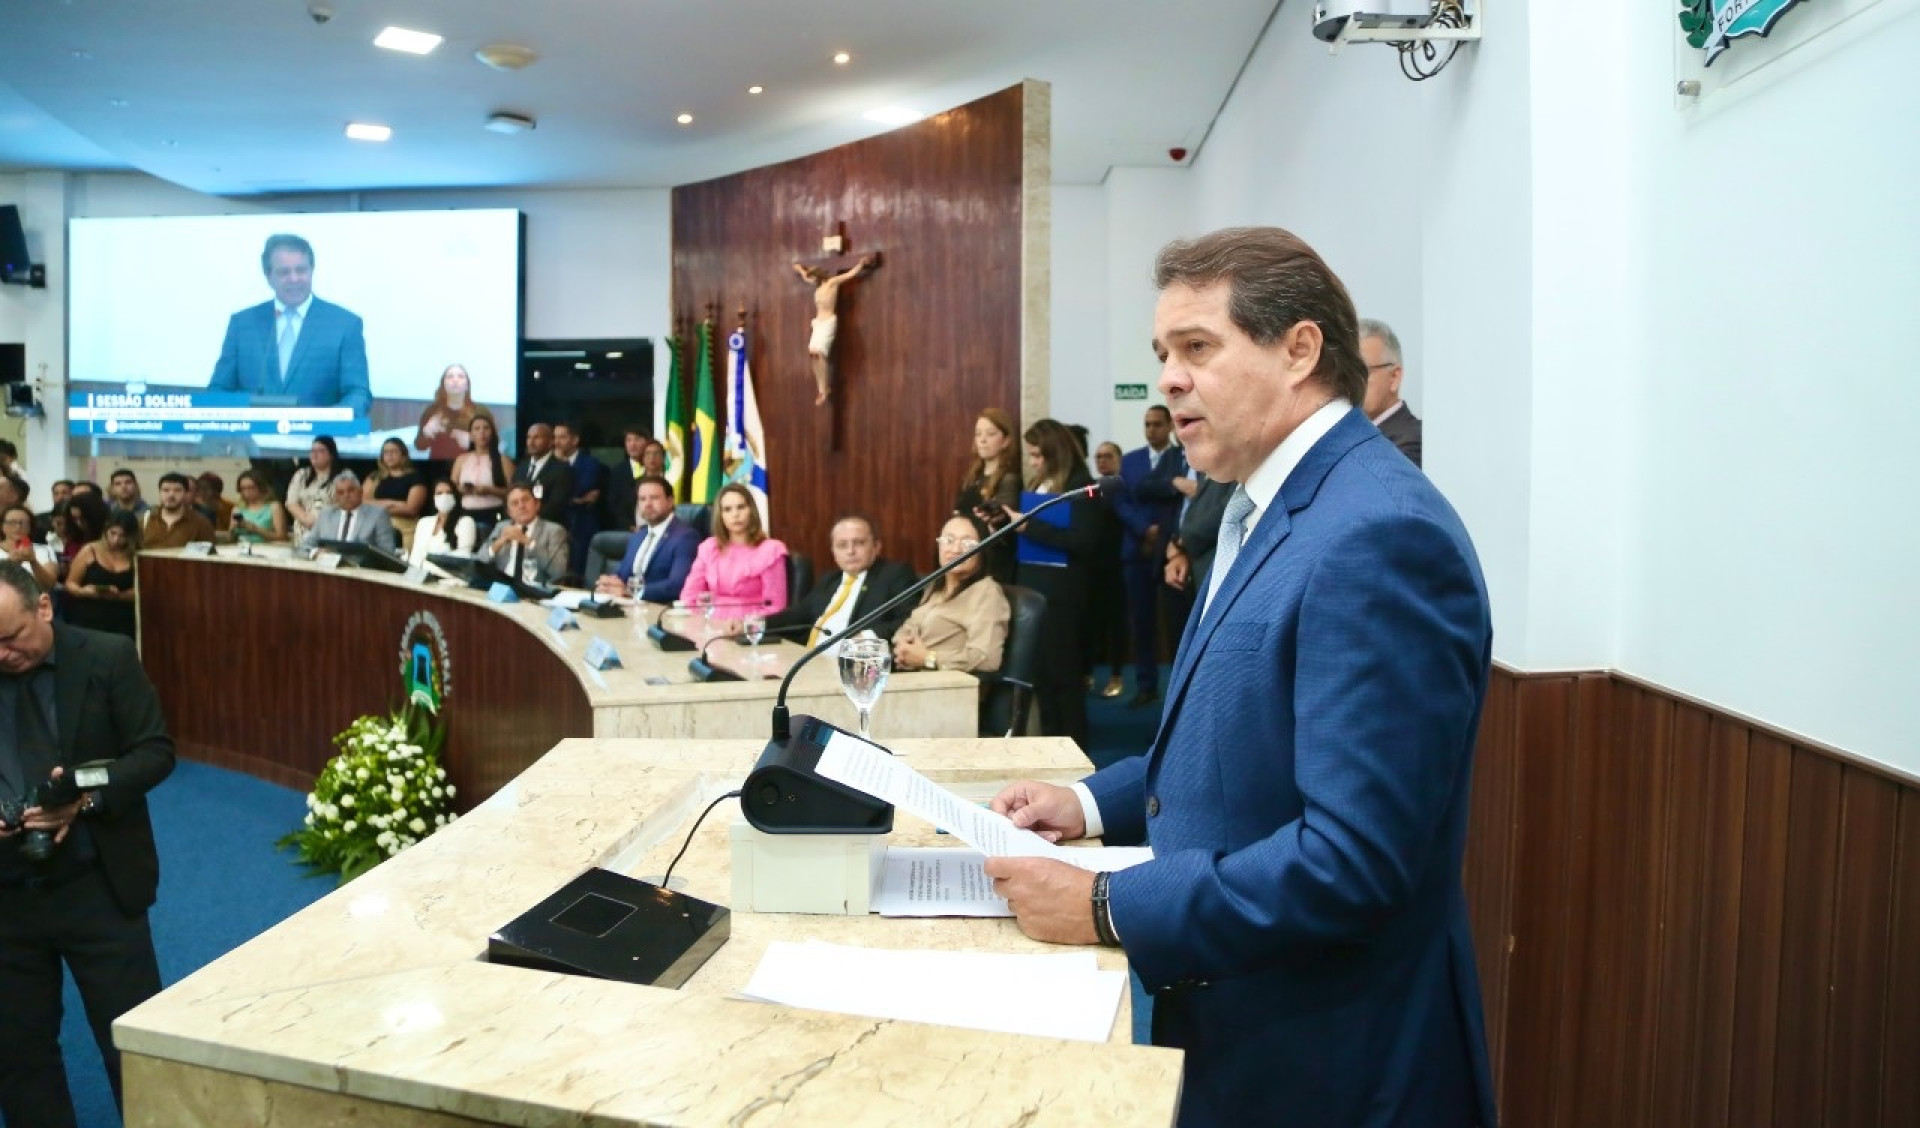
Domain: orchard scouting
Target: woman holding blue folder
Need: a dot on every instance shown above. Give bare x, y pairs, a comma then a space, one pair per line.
1056, 557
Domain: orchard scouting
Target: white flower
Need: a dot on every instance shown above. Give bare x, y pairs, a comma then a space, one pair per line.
418, 825
309, 818
313, 801
350, 826
439, 792
361, 774
346, 800
449, 786
439, 820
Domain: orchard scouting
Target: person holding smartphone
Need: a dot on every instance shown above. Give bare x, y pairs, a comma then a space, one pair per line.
16, 527
259, 516
100, 582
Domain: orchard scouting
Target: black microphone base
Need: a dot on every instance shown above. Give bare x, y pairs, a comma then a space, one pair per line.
667, 640
702, 670
786, 794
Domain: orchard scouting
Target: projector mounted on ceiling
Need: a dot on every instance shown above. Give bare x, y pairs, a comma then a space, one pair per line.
1341, 22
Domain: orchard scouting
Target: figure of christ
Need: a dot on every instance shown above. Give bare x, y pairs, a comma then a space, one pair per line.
826, 296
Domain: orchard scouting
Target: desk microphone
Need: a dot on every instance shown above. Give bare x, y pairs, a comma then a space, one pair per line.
707, 671
785, 793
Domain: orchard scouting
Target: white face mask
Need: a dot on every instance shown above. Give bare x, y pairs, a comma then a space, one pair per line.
444, 502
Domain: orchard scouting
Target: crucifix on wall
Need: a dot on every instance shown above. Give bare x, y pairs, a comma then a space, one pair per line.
826, 299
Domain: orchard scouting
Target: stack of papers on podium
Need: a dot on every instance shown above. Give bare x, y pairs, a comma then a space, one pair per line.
946, 881
1051, 996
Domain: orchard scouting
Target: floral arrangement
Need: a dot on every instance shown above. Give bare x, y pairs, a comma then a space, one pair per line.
384, 791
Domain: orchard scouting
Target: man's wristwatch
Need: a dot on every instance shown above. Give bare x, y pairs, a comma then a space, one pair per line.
1103, 912
933, 660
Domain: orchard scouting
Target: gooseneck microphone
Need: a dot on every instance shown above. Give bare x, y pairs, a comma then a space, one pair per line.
704, 670
782, 722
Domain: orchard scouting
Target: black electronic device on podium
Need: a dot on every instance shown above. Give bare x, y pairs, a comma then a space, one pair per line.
481, 574
360, 554
785, 793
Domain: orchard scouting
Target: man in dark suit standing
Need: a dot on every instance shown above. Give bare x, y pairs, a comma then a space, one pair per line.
1148, 509
550, 478
1190, 552
660, 551
1380, 348
69, 697
589, 482
295, 345
1301, 925
862, 582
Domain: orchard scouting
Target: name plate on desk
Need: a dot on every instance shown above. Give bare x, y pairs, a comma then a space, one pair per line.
601, 655
198, 548
418, 575
502, 593
561, 619
326, 559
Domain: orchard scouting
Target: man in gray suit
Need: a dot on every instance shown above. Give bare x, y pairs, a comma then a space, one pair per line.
348, 520
527, 546
1190, 553
1381, 350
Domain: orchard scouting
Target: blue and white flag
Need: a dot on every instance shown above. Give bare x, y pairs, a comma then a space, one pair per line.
746, 439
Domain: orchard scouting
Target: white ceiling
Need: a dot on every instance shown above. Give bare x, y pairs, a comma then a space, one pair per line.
240, 97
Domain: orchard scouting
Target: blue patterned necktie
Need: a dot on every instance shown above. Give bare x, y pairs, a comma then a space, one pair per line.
289, 333
1233, 534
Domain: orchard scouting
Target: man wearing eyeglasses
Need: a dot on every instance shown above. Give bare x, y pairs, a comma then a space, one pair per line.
1381, 350
862, 582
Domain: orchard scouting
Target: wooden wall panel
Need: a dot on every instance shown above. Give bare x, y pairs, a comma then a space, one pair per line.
1710, 924
297, 655
925, 342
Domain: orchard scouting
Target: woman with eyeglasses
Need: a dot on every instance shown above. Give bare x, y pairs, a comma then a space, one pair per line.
22, 549
961, 623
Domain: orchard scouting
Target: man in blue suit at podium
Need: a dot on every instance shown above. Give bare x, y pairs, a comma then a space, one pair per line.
295, 345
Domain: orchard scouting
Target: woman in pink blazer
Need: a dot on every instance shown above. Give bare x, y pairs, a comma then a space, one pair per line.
739, 565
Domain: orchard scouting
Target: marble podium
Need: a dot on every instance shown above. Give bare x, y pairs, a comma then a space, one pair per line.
372, 1007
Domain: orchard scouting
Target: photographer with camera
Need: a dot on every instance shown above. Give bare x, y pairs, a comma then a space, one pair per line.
82, 741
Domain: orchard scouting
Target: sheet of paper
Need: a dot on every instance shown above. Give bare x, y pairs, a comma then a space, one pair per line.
868, 768
971, 989
570, 598
936, 881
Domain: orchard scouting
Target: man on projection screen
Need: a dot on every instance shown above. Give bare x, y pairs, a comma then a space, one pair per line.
295, 345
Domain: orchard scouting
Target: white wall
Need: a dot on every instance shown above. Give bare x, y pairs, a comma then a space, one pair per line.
1666, 377
1080, 358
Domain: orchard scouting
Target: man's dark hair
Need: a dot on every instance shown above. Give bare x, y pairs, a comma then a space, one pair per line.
284, 243
15, 575
123, 472
87, 486
640, 432
1275, 282
176, 478
521, 487
67, 482
1159, 408
20, 485
8, 450
873, 530
127, 523
209, 478
656, 480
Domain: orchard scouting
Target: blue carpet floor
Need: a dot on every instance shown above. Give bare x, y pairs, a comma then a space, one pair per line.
222, 883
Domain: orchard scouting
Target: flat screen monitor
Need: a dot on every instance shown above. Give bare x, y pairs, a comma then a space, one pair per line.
363, 555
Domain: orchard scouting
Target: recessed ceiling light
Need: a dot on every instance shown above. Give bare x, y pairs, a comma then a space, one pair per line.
507, 56
685, 119
83, 56
504, 122
408, 40
756, 89
893, 115
842, 58
117, 103
367, 131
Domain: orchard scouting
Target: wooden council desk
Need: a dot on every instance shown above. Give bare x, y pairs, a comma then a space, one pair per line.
372, 1006
260, 660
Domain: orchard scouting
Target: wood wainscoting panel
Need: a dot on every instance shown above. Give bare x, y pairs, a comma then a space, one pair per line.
1686, 917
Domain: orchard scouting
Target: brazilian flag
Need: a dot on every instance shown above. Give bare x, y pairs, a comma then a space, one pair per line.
676, 438
704, 453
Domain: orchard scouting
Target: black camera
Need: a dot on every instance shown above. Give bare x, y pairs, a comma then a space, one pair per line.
38, 845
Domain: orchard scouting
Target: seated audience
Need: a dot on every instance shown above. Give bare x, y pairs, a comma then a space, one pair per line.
862, 582
16, 526
961, 622
740, 566
659, 551
208, 498
349, 519
13, 491
311, 490
398, 488
259, 516
100, 583
176, 523
526, 545
447, 531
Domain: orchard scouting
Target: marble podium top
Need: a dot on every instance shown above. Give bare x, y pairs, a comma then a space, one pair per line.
378, 991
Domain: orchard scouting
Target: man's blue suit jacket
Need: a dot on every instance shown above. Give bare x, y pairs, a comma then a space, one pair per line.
329, 364
1302, 924
668, 567
1150, 498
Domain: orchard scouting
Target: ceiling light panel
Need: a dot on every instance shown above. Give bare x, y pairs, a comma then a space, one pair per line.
367, 131
407, 40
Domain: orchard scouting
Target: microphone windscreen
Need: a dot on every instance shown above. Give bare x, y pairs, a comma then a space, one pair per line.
1107, 486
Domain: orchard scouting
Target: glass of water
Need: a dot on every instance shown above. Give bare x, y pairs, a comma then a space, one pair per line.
864, 666
705, 599
754, 626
